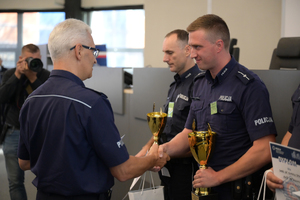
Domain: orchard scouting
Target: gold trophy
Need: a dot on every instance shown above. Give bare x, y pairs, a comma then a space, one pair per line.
202, 144
156, 122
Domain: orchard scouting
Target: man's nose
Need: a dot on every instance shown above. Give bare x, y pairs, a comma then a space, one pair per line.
193, 53
166, 58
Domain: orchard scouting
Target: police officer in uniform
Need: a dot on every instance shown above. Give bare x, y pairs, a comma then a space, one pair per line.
235, 102
68, 138
291, 138
177, 175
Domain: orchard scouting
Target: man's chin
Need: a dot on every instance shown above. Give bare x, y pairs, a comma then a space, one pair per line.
171, 68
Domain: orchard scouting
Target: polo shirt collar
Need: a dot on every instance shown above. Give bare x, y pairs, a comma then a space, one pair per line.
188, 74
67, 75
223, 73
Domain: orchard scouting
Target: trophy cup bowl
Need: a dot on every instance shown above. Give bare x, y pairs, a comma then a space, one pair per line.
201, 145
156, 123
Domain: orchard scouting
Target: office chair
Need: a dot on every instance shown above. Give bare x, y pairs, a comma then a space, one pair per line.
287, 54
234, 51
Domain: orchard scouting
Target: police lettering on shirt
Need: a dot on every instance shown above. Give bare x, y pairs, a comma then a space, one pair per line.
181, 96
225, 98
263, 120
120, 142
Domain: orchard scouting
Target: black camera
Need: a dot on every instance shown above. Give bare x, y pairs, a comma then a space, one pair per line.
34, 64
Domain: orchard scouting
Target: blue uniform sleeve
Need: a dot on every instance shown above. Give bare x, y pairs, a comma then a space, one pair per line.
256, 111
104, 135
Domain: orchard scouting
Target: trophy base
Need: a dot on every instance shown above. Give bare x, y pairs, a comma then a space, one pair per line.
212, 196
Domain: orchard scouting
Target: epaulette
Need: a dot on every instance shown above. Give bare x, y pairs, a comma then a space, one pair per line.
100, 93
244, 77
200, 75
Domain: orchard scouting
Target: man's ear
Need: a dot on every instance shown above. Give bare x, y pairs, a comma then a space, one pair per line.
78, 51
187, 50
220, 45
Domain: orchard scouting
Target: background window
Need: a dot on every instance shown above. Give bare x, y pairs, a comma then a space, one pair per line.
8, 38
18, 29
37, 26
123, 33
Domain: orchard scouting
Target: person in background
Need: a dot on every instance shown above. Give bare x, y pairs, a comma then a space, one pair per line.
235, 103
2, 70
291, 139
177, 175
17, 84
68, 137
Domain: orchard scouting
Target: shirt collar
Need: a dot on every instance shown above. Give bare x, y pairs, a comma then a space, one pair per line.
223, 73
67, 75
186, 75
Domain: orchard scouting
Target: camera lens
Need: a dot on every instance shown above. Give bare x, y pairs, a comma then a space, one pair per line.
34, 64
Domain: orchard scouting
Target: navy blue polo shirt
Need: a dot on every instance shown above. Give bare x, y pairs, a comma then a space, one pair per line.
68, 134
179, 95
236, 105
294, 127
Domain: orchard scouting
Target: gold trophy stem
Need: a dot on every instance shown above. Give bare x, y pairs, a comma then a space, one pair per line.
155, 139
201, 145
202, 191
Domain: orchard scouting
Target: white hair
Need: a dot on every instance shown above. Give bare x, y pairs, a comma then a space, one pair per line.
65, 35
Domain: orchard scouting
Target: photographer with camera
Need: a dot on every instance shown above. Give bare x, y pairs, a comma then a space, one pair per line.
17, 84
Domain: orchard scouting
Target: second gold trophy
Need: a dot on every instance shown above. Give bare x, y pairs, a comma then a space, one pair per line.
156, 122
202, 144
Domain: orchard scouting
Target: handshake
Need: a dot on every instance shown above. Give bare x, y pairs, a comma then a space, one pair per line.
160, 157
158, 154
156, 122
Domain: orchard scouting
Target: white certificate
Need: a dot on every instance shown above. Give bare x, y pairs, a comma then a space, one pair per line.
286, 166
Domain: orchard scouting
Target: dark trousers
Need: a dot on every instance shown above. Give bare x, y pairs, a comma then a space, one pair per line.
46, 196
179, 185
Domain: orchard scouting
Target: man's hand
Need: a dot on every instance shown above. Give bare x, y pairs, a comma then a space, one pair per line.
274, 182
22, 68
145, 148
206, 178
162, 157
161, 154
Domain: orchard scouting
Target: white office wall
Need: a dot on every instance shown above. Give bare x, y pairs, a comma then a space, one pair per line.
290, 18
163, 16
256, 24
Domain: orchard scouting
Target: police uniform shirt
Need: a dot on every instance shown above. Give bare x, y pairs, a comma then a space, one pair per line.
236, 105
69, 136
178, 102
294, 127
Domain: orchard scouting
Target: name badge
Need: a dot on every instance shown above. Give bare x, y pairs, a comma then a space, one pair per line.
170, 109
213, 108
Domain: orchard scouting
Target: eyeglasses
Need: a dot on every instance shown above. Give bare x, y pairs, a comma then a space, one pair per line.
96, 51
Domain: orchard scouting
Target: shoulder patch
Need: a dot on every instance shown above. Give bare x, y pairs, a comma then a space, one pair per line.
200, 75
244, 77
